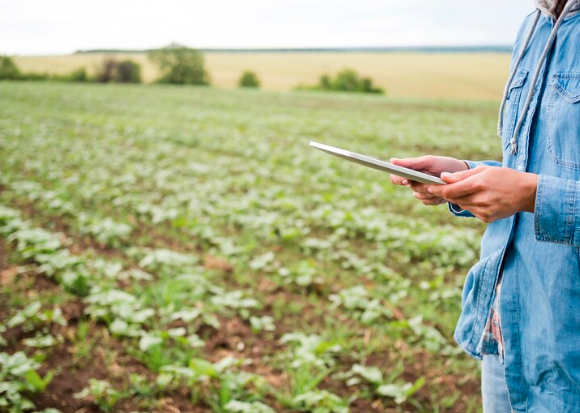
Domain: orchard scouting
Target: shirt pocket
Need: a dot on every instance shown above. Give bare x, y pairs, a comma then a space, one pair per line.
563, 117
512, 104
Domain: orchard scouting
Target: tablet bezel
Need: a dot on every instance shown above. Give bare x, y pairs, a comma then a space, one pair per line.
378, 164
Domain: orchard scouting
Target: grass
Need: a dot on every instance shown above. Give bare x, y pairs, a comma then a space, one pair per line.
170, 219
474, 76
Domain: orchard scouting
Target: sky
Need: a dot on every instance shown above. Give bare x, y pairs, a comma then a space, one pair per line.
41, 27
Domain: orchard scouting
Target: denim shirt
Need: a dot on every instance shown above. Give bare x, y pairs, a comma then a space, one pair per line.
536, 254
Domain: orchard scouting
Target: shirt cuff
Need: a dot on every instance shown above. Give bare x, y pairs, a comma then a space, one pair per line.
458, 211
556, 211
475, 164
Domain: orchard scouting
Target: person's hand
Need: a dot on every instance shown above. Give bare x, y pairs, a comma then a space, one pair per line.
432, 165
489, 193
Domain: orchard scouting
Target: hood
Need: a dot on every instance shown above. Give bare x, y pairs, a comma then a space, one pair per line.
561, 9
552, 8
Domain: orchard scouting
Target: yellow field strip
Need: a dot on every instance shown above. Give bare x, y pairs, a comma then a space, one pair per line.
477, 76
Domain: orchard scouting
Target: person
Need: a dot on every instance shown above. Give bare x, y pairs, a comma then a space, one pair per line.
521, 301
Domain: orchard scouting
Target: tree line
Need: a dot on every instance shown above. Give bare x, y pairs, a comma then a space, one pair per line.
178, 65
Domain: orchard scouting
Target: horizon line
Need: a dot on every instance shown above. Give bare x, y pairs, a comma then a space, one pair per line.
501, 48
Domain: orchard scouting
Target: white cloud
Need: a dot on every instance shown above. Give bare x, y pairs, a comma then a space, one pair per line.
62, 26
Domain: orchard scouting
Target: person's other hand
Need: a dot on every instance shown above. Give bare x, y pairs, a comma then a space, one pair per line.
432, 165
489, 193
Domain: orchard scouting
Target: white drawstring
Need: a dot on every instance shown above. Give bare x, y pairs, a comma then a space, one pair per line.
513, 73
552, 38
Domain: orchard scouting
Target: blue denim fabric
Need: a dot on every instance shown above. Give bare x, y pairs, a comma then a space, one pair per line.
494, 390
538, 253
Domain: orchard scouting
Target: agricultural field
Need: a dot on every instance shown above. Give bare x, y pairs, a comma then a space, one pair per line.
474, 76
181, 249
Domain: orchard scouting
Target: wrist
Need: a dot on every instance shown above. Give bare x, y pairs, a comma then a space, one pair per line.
530, 187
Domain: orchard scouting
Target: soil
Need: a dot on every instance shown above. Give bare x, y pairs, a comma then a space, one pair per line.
109, 360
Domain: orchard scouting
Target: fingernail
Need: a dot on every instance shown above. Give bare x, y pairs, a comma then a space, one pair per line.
429, 190
446, 175
405, 182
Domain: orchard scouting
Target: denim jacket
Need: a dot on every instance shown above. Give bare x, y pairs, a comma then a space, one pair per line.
537, 255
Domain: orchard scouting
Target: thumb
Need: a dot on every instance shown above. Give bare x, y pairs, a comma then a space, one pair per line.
451, 178
417, 164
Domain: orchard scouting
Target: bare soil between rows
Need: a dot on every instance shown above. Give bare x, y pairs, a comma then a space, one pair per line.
109, 359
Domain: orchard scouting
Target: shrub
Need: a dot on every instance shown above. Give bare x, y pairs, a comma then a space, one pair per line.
128, 72
34, 76
124, 71
79, 75
180, 65
249, 79
346, 80
325, 83
8, 69
106, 71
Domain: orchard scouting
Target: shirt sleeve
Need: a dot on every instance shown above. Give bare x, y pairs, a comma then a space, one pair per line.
456, 209
557, 212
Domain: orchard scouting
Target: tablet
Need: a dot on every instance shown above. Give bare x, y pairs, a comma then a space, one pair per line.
380, 165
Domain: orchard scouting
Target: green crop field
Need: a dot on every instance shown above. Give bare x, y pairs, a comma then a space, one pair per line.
474, 76
182, 249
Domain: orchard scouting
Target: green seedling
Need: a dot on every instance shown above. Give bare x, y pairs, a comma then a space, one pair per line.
399, 392
321, 401
101, 393
265, 323
234, 406
19, 379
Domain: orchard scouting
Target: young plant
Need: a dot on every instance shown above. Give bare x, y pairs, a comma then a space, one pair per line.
356, 300
265, 323
32, 317
101, 393
321, 401
105, 231
310, 350
19, 379
400, 392
235, 406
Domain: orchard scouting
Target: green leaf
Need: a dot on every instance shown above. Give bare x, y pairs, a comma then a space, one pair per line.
203, 368
38, 383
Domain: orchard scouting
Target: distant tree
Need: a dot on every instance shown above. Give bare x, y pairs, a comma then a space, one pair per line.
347, 81
249, 79
106, 71
180, 65
113, 70
8, 69
128, 71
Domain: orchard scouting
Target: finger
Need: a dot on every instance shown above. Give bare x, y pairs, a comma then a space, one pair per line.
398, 180
434, 201
470, 201
422, 195
459, 189
419, 187
418, 164
459, 176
